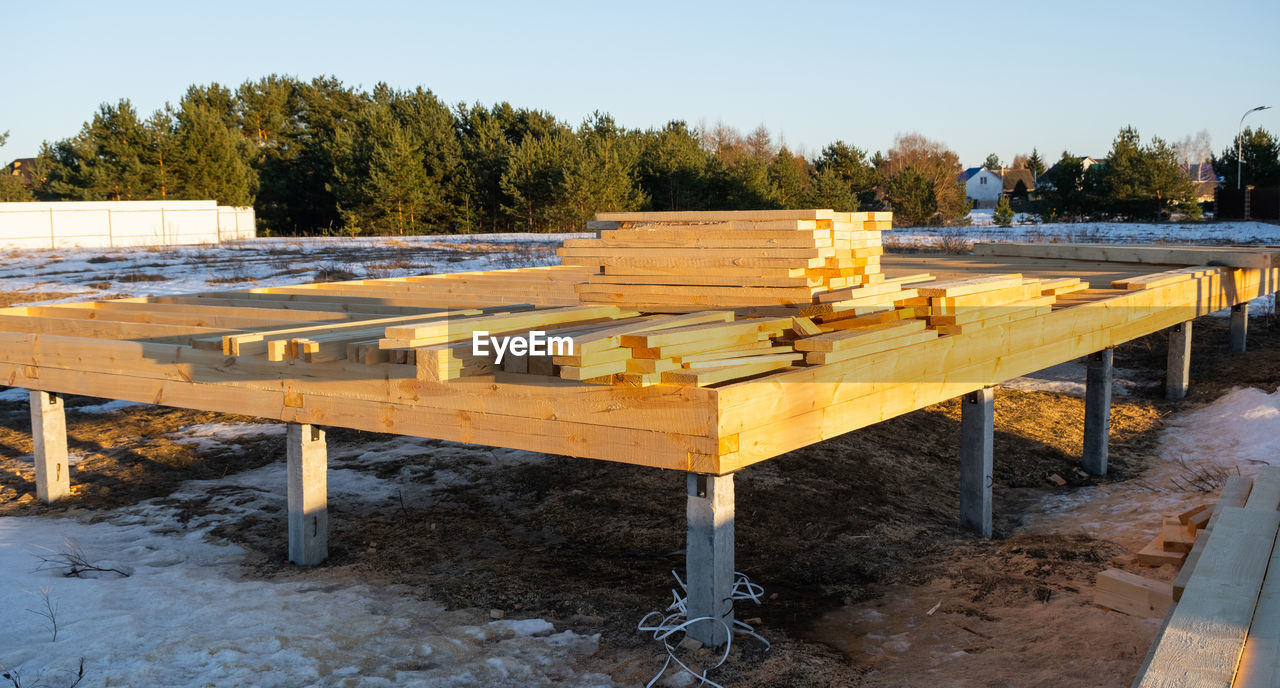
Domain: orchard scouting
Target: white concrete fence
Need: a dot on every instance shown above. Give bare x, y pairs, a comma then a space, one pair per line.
94, 224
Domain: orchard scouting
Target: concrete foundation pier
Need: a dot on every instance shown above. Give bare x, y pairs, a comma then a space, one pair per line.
49, 435
977, 434
1097, 411
709, 557
308, 498
1178, 376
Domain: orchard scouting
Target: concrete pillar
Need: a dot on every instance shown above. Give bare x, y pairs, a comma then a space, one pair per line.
1097, 411
977, 434
1239, 326
709, 556
1178, 375
308, 499
49, 434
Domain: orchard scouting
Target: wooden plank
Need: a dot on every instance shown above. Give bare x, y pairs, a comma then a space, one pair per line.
848, 339
1132, 594
655, 448
1260, 660
457, 329
100, 329
709, 376
1235, 493
970, 285
1265, 494
1155, 554
716, 216
1167, 255
868, 348
1176, 536
784, 357
692, 333
1202, 643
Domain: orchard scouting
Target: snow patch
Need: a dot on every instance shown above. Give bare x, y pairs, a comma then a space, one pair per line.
1234, 435
186, 616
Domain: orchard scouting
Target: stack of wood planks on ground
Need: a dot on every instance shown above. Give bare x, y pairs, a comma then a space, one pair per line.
694, 260
1223, 627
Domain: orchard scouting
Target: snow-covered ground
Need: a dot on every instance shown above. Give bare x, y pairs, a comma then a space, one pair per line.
103, 272
186, 615
982, 229
115, 273
1236, 434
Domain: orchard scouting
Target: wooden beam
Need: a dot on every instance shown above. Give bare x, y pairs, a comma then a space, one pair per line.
1132, 594
1122, 253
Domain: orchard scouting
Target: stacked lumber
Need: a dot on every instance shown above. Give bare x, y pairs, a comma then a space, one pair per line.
692, 260
1180, 542
1161, 279
1175, 538
1224, 629
963, 305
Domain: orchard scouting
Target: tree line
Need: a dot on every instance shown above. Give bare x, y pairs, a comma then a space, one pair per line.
319, 156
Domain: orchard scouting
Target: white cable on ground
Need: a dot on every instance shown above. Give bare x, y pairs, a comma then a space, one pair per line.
675, 622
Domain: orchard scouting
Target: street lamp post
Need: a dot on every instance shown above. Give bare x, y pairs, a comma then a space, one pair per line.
1240, 141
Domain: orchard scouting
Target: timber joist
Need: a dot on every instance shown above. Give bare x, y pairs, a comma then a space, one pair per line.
683, 379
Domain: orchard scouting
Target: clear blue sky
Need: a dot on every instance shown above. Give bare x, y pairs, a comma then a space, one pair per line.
981, 77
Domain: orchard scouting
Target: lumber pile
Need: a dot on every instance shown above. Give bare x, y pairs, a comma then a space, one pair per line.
963, 305
1224, 629
693, 260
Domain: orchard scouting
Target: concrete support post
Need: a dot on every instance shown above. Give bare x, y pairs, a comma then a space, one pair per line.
49, 435
1097, 411
709, 557
977, 434
1239, 326
1178, 376
308, 500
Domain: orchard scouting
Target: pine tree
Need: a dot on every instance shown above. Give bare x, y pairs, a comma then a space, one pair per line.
672, 168
11, 185
992, 162
1003, 215
210, 160
911, 197
1035, 164
791, 179
1261, 154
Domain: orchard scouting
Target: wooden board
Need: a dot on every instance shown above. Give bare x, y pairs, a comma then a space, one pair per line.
1132, 594
1206, 632
1166, 255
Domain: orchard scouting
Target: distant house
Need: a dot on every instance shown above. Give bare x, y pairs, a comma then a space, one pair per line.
1085, 163
983, 187
1206, 180
22, 167
1012, 177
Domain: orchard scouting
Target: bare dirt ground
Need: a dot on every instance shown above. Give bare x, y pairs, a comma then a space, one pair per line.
870, 579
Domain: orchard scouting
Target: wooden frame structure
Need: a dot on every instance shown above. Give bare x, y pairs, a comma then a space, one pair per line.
168, 350
315, 355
